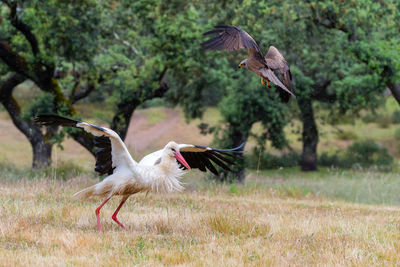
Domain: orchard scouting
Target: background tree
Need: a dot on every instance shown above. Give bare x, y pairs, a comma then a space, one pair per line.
342, 56
124, 65
28, 54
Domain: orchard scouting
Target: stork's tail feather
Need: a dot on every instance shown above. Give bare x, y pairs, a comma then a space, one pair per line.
85, 193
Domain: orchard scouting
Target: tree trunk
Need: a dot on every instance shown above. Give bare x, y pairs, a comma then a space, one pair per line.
40, 148
239, 173
126, 107
122, 118
310, 136
395, 89
41, 153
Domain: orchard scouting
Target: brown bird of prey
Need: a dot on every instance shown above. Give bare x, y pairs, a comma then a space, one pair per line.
233, 38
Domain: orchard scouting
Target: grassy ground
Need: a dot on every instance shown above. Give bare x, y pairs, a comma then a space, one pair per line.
206, 225
278, 217
368, 187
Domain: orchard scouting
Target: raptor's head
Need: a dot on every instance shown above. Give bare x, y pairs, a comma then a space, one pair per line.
243, 64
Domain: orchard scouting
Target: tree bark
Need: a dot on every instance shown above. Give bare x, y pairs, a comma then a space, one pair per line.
122, 118
239, 173
41, 149
395, 89
309, 136
125, 109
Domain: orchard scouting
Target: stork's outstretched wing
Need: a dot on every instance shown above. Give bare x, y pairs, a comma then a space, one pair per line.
277, 62
203, 157
231, 38
111, 155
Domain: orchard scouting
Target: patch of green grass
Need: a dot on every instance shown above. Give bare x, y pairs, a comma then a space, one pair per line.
64, 171
155, 114
355, 186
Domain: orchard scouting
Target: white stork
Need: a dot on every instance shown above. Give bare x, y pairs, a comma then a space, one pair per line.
159, 171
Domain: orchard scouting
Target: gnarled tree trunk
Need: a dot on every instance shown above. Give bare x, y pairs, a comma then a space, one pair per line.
41, 149
309, 136
239, 172
41, 152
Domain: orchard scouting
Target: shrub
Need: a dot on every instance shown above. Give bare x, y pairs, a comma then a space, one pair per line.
365, 154
346, 135
396, 117
397, 133
331, 160
384, 121
368, 152
370, 117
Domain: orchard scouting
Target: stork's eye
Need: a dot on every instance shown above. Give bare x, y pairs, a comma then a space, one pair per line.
173, 149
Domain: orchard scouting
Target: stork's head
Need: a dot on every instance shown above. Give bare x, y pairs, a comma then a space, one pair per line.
172, 150
243, 64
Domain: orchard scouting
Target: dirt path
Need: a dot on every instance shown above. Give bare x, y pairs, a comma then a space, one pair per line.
141, 134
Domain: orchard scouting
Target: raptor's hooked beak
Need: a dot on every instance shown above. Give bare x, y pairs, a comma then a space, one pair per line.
181, 159
240, 66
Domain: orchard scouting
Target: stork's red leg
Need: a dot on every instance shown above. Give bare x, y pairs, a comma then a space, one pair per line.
114, 216
98, 213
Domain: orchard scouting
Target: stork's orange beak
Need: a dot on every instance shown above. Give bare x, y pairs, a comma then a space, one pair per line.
181, 159
240, 66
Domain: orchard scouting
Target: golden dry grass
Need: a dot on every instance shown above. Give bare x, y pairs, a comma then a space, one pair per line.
40, 225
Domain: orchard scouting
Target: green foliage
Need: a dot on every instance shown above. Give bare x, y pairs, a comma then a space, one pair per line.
396, 117
362, 154
243, 106
384, 121
40, 105
346, 135
368, 153
370, 117
341, 53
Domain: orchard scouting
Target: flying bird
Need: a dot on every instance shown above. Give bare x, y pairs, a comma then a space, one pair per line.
233, 38
159, 171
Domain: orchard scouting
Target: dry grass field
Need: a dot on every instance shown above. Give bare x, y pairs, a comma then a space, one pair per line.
207, 226
277, 218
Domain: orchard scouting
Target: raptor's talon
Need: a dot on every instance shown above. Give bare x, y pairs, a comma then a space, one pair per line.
263, 81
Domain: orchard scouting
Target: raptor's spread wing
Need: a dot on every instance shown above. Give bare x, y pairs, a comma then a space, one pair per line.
231, 38
275, 61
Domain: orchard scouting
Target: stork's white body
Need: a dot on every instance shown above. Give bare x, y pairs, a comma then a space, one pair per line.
159, 171
130, 177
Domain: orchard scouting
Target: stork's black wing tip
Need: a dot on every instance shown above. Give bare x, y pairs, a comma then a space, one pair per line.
54, 120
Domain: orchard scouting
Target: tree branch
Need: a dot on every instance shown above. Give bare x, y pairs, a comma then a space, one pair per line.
16, 62
121, 119
13, 108
86, 90
22, 27
7, 86
330, 21
126, 43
